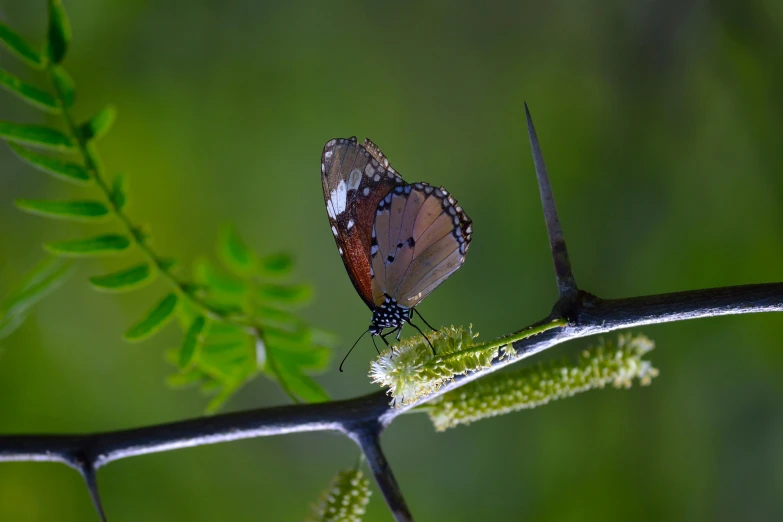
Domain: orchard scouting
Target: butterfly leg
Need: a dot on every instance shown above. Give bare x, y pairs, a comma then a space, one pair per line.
425, 337
383, 338
423, 319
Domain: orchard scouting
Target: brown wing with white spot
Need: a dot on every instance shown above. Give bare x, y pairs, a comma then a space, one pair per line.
419, 239
355, 178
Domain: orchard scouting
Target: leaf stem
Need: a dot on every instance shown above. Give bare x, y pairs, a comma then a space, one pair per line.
94, 166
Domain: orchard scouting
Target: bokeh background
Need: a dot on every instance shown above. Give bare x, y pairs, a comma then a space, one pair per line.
661, 122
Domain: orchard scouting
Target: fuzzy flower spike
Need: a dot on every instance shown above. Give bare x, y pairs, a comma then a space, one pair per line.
609, 363
412, 372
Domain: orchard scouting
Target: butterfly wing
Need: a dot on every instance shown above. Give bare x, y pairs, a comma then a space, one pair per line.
420, 237
355, 178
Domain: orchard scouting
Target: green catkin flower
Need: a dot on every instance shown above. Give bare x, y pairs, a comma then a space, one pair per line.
608, 363
412, 372
345, 500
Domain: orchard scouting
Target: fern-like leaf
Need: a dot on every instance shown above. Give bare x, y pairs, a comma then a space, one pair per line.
154, 321
73, 210
110, 244
29, 93
192, 342
43, 279
100, 124
17, 45
58, 168
36, 135
59, 34
124, 280
225, 312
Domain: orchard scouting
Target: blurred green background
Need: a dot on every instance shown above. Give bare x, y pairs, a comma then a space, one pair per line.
660, 122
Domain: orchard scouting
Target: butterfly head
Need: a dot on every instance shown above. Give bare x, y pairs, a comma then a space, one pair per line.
388, 315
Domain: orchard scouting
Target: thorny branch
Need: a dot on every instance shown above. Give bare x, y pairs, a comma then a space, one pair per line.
364, 418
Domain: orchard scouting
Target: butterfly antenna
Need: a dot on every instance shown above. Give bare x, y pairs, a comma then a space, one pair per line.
352, 347
425, 337
376, 346
425, 321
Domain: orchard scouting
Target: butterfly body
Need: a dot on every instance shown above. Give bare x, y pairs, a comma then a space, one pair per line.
389, 315
398, 241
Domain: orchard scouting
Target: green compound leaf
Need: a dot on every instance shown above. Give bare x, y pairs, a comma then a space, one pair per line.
59, 34
292, 379
118, 198
44, 278
184, 380
54, 166
29, 93
225, 391
345, 500
228, 358
230, 355
192, 342
276, 265
36, 135
100, 124
205, 273
141, 233
17, 45
31, 294
64, 85
124, 280
303, 385
210, 386
235, 254
39, 272
284, 295
297, 349
95, 246
272, 318
167, 263
310, 358
154, 321
73, 210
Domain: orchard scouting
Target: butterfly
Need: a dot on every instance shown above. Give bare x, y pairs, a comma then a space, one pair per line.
398, 240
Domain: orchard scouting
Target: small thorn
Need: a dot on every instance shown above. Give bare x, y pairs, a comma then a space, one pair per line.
565, 278
88, 472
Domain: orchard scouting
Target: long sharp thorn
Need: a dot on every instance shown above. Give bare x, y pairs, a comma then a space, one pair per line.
565, 278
